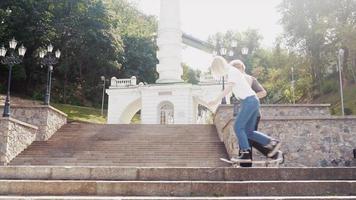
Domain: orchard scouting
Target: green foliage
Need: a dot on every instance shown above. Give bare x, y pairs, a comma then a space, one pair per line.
316, 29
348, 111
190, 75
137, 32
96, 37
83, 114
330, 85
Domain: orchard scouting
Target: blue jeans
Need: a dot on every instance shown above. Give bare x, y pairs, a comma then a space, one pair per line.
245, 124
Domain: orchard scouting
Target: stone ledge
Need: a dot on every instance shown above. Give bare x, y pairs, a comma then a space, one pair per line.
37, 106
176, 188
47, 118
286, 118
19, 122
176, 198
15, 137
282, 105
226, 112
60, 112
174, 173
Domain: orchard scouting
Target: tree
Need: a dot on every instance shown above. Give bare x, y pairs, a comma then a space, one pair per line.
190, 75
317, 29
137, 32
96, 37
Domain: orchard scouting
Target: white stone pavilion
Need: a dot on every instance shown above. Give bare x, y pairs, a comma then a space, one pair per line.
170, 100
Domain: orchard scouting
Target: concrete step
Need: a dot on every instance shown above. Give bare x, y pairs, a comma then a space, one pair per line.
177, 188
177, 198
174, 173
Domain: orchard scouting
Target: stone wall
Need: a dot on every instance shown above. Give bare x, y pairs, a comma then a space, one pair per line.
15, 136
277, 110
307, 140
46, 118
315, 141
225, 112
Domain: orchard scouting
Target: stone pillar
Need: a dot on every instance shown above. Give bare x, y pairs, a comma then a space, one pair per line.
169, 42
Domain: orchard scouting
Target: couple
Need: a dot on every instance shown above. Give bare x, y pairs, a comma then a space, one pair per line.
245, 125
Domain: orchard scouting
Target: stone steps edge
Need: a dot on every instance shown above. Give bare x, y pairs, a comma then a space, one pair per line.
174, 173
176, 198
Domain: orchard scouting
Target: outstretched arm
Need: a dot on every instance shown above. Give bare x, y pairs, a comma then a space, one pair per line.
224, 93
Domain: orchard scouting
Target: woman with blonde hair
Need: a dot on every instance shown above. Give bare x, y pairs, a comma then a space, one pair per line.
245, 122
260, 93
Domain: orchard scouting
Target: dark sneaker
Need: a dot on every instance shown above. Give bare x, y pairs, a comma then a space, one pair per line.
245, 156
273, 147
247, 164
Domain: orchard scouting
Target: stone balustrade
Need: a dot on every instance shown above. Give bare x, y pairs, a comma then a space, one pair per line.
120, 83
46, 118
15, 136
319, 140
208, 78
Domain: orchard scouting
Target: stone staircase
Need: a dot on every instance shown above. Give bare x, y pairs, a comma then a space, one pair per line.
131, 162
100, 182
128, 145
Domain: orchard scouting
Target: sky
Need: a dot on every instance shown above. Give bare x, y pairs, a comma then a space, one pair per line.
201, 18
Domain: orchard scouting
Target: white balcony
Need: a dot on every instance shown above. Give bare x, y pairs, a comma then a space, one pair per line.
123, 83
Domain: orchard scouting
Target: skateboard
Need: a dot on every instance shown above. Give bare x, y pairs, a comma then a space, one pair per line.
267, 163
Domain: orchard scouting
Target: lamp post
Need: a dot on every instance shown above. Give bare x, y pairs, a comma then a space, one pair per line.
293, 86
11, 60
223, 52
341, 60
244, 52
47, 59
102, 98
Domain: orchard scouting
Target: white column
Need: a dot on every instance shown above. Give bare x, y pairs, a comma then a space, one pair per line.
169, 42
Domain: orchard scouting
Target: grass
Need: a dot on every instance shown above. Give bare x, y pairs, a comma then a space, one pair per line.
334, 100
82, 114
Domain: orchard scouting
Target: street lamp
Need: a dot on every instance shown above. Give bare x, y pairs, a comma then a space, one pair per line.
11, 60
102, 99
244, 51
47, 59
224, 52
8, 12
341, 61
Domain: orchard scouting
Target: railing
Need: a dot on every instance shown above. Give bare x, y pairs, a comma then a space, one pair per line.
208, 78
122, 83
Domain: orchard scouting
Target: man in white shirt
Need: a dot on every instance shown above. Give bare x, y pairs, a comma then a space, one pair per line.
260, 93
246, 119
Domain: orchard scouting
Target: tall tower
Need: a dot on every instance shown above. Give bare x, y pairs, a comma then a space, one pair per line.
169, 42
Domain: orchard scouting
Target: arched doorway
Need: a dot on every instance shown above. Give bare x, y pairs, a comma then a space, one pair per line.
130, 111
166, 113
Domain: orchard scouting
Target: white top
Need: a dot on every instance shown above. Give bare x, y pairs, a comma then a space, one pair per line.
241, 87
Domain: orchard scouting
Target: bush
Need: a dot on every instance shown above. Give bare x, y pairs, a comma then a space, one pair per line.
347, 111
329, 86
